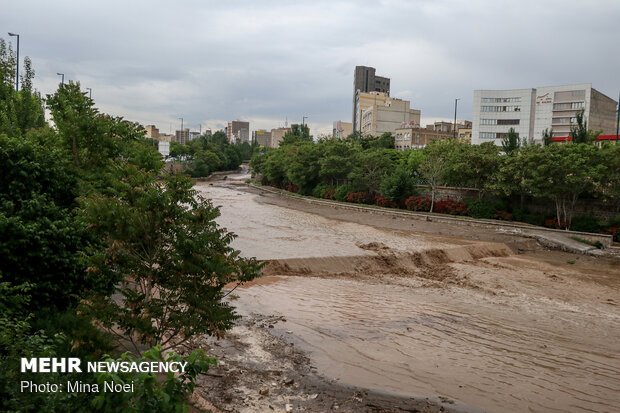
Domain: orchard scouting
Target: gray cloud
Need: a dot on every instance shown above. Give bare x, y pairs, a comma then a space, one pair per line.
264, 61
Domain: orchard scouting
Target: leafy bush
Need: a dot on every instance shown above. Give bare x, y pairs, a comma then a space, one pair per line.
585, 223
481, 209
418, 203
448, 206
342, 191
329, 194
360, 197
384, 202
398, 185
149, 393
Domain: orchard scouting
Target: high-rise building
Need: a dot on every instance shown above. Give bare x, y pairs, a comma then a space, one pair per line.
381, 113
532, 111
277, 135
262, 137
182, 136
342, 129
238, 131
365, 80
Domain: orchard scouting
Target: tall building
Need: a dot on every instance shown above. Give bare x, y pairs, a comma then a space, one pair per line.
381, 113
152, 132
277, 135
532, 111
342, 129
262, 137
365, 80
238, 131
182, 136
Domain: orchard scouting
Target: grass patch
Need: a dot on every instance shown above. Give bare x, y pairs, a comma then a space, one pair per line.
596, 244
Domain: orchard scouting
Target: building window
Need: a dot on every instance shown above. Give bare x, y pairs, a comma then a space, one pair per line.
508, 121
501, 100
500, 108
487, 135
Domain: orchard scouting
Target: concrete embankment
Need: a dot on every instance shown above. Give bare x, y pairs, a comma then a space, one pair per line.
551, 238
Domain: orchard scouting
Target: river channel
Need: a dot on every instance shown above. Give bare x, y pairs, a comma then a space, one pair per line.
518, 334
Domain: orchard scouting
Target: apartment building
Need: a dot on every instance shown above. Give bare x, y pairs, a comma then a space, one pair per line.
262, 137
381, 113
410, 136
365, 80
277, 135
182, 136
532, 111
238, 131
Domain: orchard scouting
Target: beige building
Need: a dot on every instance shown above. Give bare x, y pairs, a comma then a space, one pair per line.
412, 137
381, 113
262, 137
277, 135
163, 137
365, 79
342, 129
152, 132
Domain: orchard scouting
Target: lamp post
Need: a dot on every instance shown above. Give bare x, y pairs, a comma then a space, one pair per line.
62, 79
90, 93
617, 119
456, 101
17, 66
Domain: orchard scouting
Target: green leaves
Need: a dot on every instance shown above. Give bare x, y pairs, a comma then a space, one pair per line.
169, 256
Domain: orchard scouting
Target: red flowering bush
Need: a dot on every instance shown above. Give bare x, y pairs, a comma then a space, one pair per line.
614, 232
554, 223
418, 203
292, 188
384, 202
504, 215
448, 206
329, 193
360, 197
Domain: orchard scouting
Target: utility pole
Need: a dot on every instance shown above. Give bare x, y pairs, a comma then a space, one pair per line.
617, 118
62, 79
17, 66
90, 93
456, 101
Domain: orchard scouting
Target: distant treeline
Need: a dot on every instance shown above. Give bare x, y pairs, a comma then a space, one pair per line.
210, 153
370, 170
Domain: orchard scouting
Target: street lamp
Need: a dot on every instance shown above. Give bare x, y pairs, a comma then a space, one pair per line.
62, 79
456, 101
303, 120
90, 93
17, 68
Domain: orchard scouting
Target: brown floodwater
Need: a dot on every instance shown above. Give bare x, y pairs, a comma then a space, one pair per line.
533, 335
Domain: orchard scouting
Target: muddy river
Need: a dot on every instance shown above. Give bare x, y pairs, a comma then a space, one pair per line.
516, 333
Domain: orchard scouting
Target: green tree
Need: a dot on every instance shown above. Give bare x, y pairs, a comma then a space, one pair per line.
303, 166
204, 163
41, 241
433, 168
398, 185
511, 142
298, 134
370, 166
168, 259
475, 164
563, 173
547, 134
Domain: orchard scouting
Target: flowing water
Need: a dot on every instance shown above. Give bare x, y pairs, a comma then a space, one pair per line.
534, 337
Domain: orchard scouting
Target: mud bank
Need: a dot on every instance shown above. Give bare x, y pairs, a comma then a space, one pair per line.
260, 372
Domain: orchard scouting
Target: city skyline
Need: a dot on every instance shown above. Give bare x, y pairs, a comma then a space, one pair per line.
154, 62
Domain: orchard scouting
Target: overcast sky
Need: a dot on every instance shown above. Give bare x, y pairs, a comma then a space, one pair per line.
266, 61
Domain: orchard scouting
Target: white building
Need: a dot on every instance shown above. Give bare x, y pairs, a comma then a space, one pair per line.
531, 111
